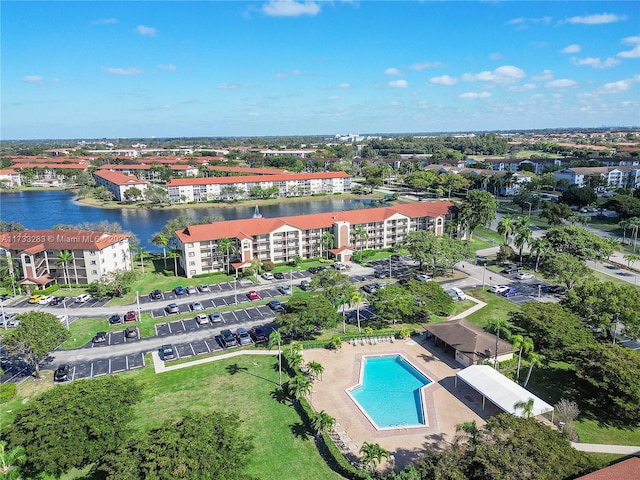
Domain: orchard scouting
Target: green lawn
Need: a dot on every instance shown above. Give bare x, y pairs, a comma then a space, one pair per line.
489, 235
497, 307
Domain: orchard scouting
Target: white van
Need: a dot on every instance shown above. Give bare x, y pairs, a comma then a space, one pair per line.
457, 294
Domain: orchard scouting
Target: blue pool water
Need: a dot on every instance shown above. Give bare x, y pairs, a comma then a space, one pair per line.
389, 393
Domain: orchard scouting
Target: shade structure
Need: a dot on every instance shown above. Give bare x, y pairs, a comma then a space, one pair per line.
501, 391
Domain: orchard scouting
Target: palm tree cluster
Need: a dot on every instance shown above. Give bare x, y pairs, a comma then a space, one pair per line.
501, 327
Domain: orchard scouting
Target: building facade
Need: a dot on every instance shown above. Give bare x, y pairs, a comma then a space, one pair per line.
611, 177
331, 235
118, 183
89, 255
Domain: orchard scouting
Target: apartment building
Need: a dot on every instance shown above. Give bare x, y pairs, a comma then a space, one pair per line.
10, 178
118, 183
91, 255
150, 172
184, 190
334, 235
612, 177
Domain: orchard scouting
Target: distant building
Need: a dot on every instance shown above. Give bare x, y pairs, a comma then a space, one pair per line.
10, 178
118, 183
93, 254
612, 177
282, 239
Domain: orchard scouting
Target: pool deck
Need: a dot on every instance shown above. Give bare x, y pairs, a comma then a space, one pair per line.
447, 405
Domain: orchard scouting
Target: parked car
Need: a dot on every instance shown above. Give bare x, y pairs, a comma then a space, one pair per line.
259, 333
276, 306
305, 285
369, 288
35, 298
380, 274
313, 270
204, 288
216, 317
196, 306
179, 290
156, 295
396, 257
172, 308
131, 332
46, 300
525, 276
9, 320
85, 297
202, 319
510, 292
558, 289
423, 278
510, 269
130, 316
63, 318
339, 266
499, 289
61, 374
228, 338
115, 319
285, 290
456, 294
268, 276
278, 276
100, 337
57, 301
243, 336
168, 353
191, 290
253, 295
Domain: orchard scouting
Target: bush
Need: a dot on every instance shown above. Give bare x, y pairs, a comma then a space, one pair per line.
7, 391
49, 290
268, 265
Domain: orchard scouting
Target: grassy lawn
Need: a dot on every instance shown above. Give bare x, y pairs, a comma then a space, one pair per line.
489, 235
497, 307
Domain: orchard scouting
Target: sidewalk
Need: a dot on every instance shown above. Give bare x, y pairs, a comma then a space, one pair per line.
160, 366
601, 448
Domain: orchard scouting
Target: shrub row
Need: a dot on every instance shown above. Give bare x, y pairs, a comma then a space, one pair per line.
48, 290
7, 391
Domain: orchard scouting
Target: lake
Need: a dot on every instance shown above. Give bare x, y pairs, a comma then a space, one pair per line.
42, 209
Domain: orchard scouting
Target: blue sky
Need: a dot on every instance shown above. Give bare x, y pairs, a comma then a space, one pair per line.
185, 68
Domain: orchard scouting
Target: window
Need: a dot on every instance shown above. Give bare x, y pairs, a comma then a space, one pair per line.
192, 263
92, 252
94, 272
192, 254
192, 272
93, 262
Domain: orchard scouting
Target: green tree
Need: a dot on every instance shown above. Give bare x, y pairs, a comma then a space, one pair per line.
228, 248
498, 326
327, 241
506, 228
554, 213
526, 406
315, 369
579, 196
419, 243
10, 461
37, 334
199, 446
356, 299
141, 251
305, 313
468, 430
333, 283
299, 386
522, 234
579, 242
524, 345
275, 340
322, 422
161, 240
430, 297
567, 269
65, 257
74, 425
479, 208
535, 360
372, 454
540, 248
395, 304
132, 194
360, 235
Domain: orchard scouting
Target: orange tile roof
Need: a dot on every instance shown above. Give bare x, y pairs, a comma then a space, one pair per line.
248, 170
135, 166
255, 178
249, 227
119, 178
8, 171
58, 166
628, 469
59, 240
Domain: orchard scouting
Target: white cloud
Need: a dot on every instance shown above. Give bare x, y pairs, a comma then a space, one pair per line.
37, 79
443, 80
495, 56
474, 95
146, 31
545, 76
523, 23
122, 71
523, 88
168, 68
597, 19
229, 86
595, 62
424, 65
502, 75
290, 8
561, 83
398, 84
392, 71
573, 48
105, 21
343, 86
620, 86
635, 51
631, 40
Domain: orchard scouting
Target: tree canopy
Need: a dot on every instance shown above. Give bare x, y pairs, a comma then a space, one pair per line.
305, 313
579, 242
479, 208
565, 268
333, 283
436, 250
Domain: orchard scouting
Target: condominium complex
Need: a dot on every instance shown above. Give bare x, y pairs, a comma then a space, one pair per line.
185, 190
335, 235
118, 183
65, 256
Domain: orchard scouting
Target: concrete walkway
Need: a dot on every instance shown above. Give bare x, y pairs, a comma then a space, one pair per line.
478, 305
160, 366
601, 448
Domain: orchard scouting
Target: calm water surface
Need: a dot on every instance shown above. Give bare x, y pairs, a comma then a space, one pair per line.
42, 209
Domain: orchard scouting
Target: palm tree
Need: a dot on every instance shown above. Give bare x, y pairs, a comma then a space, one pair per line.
315, 369
161, 240
471, 430
174, 252
624, 225
631, 258
328, 242
10, 461
356, 299
540, 248
275, 339
141, 251
527, 407
64, 258
372, 454
498, 325
506, 228
522, 234
299, 386
361, 235
524, 344
322, 422
534, 360
227, 247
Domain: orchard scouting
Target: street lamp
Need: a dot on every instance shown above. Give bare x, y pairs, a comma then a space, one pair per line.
539, 290
529, 203
235, 287
389, 266
484, 270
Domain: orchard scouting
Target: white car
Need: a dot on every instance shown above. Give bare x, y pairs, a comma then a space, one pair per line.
83, 298
499, 289
525, 276
268, 276
202, 319
45, 300
423, 278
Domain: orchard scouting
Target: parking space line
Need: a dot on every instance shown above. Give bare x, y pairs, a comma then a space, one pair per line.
234, 314
260, 312
169, 327
126, 362
206, 344
183, 327
73, 375
192, 349
91, 372
109, 365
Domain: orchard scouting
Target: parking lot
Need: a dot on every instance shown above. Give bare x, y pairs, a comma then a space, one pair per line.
68, 302
104, 366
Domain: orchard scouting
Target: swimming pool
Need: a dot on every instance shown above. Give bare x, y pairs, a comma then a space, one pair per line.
389, 393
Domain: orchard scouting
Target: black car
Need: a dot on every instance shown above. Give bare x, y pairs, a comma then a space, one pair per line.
510, 269
167, 352
276, 306
259, 333
131, 332
156, 294
228, 338
558, 289
396, 257
100, 337
305, 285
370, 288
61, 374
115, 319
56, 301
278, 276
380, 274
313, 270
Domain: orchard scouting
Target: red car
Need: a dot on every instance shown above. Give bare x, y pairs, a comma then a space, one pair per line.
253, 295
130, 316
